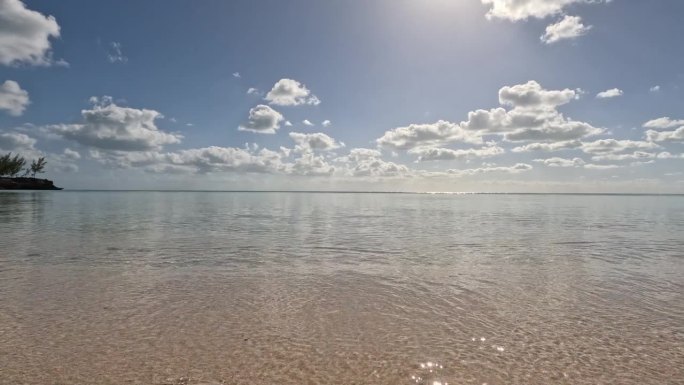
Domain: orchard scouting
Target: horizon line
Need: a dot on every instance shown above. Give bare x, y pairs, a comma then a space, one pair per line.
368, 192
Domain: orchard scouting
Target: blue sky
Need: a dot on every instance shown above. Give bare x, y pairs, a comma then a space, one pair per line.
429, 95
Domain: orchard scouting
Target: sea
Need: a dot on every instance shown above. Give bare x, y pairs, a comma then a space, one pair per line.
145, 287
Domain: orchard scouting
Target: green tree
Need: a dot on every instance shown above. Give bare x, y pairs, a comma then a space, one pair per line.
38, 166
11, 165
4, 164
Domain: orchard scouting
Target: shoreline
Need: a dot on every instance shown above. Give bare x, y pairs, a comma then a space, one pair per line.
22, 183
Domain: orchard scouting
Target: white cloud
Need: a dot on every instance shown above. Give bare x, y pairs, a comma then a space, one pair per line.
515, 169
548, 147
366, 162
532, 95
358, 154
288, 92
262, 120
611, 93
288, 123
250, 159
667, 155
554, 130
13, 99
71, 154
19, 143
436, 153
15, 141
655, 88
574, 162
236, 75
533, 116
253, 91
664, 122
561, 162
110, 127
312, 165
307, 122
326, 123
24, 146
197, 160
305, 143
25, 35
636, 155
516, 10
569, 27
613, 146
435, 134
115, 53
601, 166
663, 136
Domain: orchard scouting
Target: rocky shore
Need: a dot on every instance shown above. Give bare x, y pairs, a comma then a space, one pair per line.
26, 184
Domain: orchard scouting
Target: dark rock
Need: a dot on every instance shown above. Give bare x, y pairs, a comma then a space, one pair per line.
26, 184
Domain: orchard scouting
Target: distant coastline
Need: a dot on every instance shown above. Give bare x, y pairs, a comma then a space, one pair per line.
23, 183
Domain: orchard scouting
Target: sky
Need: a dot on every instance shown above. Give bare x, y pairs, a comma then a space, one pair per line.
361, 95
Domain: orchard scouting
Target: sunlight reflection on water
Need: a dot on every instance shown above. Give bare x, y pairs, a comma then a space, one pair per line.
209, 288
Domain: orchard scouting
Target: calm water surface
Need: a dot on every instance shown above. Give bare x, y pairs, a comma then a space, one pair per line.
295, 288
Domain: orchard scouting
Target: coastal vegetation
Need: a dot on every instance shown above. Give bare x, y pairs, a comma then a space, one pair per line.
17, 174
13, 165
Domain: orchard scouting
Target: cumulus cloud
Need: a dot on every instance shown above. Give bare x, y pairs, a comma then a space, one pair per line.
577, 162
24, 145
664, 122
312, 165
108, 126
197, 160
663, 136
288, 123
516, 10
71, 154
25, 35
533, 116
252, 91
306, 143
548, 147
561, 162
607, 146
592, 166
289, 92
532, 95
19, 143
358, 154
611, 93
436, 153
427, 135
569, 27
515, 169
366, 162
250, 159
655, 88
237, 75
115, 53
13, 99
307, 122
15, 141
668, 155
636, 155
326, 123
262, 120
